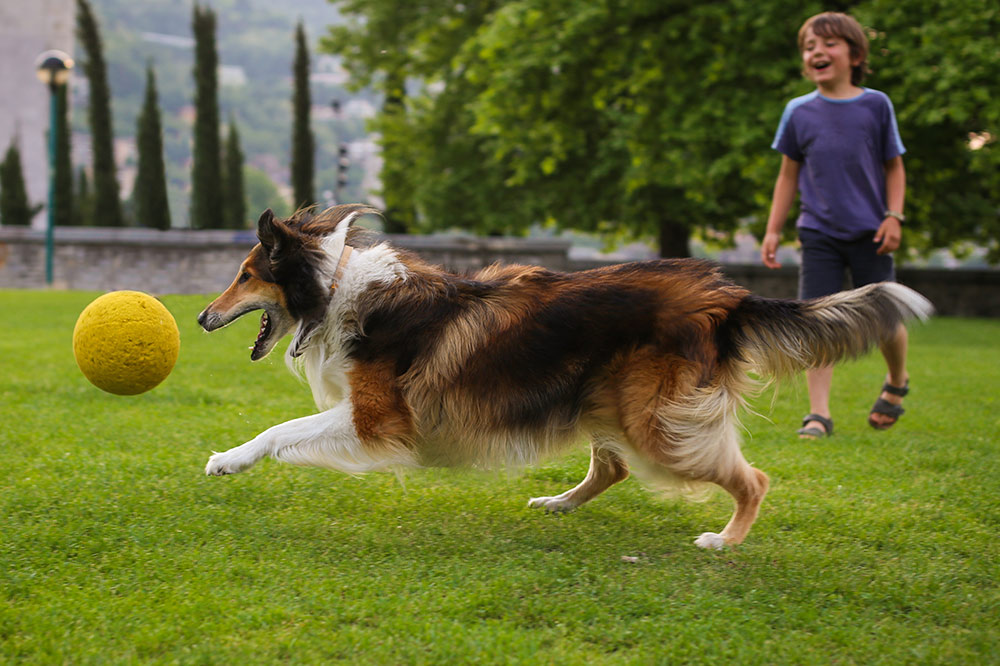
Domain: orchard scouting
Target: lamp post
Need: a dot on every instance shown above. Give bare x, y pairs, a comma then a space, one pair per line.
53, 69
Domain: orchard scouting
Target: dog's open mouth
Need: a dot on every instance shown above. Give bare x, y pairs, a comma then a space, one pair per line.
259, 348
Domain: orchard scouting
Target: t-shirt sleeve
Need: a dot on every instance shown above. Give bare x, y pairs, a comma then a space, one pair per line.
891, 141
785, 141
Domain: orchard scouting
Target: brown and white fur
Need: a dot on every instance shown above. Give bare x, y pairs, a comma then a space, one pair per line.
412, 366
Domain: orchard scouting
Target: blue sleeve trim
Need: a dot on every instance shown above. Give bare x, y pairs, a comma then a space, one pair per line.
895, 127
787, 115
897, 141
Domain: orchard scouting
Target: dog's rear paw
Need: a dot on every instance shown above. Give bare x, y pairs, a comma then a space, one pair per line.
558, 504
710, 540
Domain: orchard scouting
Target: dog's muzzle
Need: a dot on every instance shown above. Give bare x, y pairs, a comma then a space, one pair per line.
209, 320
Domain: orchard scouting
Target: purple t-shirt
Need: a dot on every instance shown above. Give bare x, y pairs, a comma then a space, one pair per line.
843, 145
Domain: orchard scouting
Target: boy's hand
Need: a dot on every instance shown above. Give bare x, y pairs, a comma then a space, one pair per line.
769, 250
889, 234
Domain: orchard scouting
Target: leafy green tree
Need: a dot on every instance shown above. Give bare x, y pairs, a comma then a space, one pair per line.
379, 44
303, 149
15, 208
152, 207
567, 112
641, 119
448, 170
235, 211
107, 205
655, 118
938, 62
206, 171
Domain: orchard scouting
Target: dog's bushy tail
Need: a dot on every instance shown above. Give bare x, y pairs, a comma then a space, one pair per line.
777, 338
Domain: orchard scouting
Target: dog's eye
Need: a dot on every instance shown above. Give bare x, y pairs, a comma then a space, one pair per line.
244, 276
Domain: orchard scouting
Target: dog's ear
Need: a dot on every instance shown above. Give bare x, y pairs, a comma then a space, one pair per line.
350, 214
272, 234
345, 223
265, 230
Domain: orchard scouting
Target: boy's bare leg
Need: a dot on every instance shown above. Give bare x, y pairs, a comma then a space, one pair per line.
819, 381
894, 351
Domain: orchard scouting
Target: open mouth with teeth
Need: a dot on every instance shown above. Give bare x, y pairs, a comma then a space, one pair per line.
260, 346
821, 65
275, 322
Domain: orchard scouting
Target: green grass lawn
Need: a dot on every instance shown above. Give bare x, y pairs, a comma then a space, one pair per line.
872, 547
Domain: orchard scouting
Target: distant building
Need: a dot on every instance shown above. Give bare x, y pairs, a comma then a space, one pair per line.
327, 70
359, 108
28, 28
127, 159
176, 41
229, 75
353, 108
232, 76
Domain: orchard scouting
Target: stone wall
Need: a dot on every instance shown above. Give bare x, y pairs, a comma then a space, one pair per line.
954, 292
205, 262
181, 261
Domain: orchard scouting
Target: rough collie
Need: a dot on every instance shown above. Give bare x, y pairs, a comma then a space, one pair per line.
410, 365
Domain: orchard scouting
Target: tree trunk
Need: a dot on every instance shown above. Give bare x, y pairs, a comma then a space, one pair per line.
674, 237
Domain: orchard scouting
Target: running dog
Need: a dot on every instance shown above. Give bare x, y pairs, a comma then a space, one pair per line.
410, 365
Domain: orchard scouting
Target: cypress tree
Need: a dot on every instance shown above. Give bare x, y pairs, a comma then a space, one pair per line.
236, 208
206, 170
83, 201
303, 170
15, 209
152, 208
107, 206
63, 214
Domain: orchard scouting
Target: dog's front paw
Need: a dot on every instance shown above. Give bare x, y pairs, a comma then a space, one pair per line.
225, 463
710, 540
557, 504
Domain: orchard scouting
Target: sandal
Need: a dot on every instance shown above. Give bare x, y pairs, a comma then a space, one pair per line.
814, 432
886, 408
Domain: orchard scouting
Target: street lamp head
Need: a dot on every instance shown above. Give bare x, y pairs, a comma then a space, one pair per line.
53, 68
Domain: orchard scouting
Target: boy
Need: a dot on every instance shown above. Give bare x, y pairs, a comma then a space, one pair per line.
841, 150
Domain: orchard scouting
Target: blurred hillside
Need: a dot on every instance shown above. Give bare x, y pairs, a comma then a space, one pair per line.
255, 41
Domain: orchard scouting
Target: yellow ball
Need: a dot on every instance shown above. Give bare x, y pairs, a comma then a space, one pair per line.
126, 342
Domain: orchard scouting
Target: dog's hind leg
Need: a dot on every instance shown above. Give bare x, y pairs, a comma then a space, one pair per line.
713, 455
722, 464
606, 469
748, 486
694, 437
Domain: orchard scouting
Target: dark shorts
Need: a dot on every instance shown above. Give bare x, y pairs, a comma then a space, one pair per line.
824, 259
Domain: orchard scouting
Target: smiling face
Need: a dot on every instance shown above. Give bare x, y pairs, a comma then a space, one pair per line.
827, 62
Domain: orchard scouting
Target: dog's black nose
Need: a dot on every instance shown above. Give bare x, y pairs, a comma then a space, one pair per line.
201, 319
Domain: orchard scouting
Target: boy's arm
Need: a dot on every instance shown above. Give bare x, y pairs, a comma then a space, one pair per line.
890, 232
785, 188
